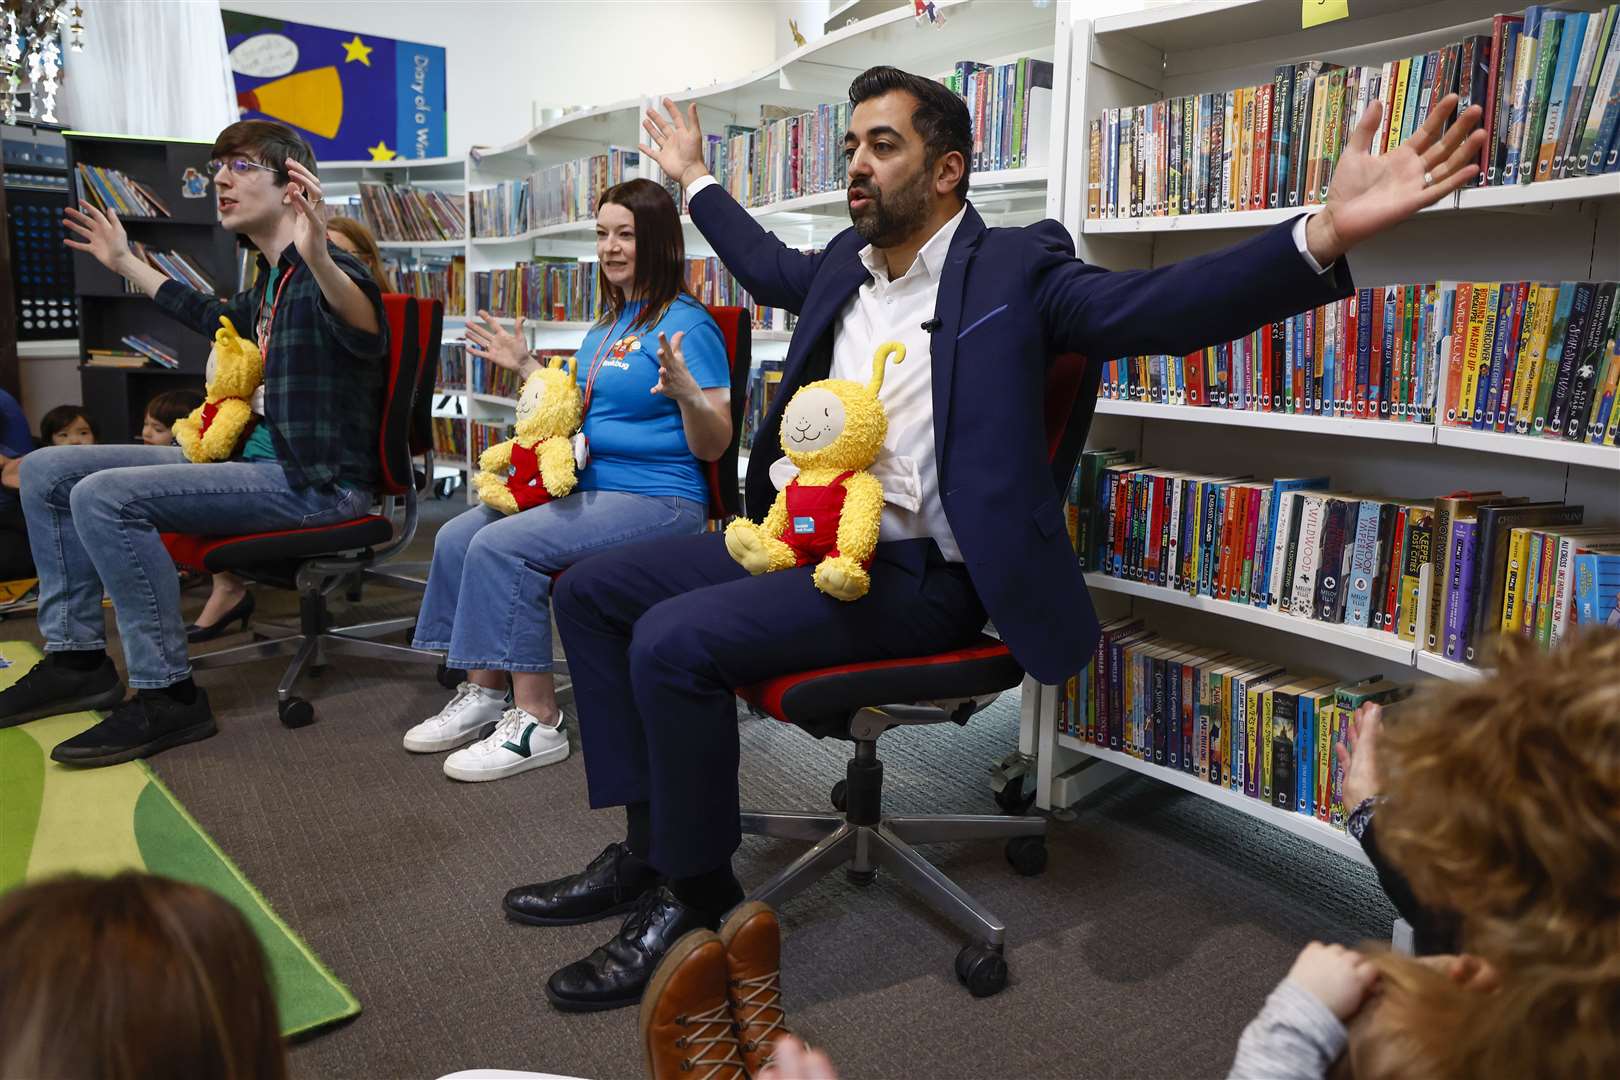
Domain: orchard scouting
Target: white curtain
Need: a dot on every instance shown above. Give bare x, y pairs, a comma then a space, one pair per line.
149, 67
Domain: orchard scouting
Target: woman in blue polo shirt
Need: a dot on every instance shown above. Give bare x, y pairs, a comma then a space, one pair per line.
658, 406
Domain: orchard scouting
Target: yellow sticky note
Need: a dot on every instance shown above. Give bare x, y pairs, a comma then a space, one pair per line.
1316, 12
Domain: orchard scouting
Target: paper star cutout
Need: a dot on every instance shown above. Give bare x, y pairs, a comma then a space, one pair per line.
357, 50
380, 152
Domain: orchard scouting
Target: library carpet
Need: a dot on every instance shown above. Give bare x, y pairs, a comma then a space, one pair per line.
1160, 925
59, 820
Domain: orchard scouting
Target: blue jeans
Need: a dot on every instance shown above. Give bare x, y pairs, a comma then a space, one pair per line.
488, 600
94, 515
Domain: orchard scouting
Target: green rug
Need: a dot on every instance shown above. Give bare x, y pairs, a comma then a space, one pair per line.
57, 820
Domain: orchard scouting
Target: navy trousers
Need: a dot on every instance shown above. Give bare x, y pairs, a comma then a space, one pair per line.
659, 634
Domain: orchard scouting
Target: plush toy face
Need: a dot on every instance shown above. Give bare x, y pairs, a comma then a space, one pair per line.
813, 421
549, 403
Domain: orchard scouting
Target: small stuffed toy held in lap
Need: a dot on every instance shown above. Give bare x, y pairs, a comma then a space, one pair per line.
216, 428
829, 514
536, 465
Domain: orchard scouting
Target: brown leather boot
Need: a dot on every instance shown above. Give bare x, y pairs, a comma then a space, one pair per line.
753, 942
686, 1022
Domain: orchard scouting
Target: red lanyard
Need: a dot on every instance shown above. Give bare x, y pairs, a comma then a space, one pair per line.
258, 320
608, 341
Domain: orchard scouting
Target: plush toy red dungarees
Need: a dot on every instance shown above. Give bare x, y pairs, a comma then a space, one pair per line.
813, 513
524, 483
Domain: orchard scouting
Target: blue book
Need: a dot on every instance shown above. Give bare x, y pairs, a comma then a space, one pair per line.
1364, 329
1560, 91
1305, 753
1522, 89
1485, 411
1597, 589
1363, 566
1277, 526
1459, 598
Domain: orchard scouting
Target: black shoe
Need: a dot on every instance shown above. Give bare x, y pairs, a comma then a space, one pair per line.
145, 724
242, 610
49, 689
615, 975
613, 883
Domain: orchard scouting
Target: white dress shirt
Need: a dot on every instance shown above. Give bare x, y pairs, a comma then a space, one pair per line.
883, 311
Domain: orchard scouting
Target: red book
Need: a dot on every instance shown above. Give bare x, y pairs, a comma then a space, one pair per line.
1392, 584
1454, 355
1259, 184
1251, 529
1195, 378
1155, 525
1487, 152
1265, 370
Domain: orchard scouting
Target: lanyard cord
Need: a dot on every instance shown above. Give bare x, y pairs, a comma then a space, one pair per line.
608, 342
258, 320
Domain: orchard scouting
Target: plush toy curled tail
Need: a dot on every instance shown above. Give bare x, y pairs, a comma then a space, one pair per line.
830, 513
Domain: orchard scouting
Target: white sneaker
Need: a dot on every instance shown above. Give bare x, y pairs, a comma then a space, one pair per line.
520, 743
471, 708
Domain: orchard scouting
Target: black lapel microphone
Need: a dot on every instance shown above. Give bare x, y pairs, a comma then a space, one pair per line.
931, 325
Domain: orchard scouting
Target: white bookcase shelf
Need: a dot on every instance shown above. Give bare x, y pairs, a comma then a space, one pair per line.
1309, 828
422, 245
1347, 427
1549, 450
1385, 646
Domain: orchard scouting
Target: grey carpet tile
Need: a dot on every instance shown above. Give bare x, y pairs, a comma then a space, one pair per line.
1160, 925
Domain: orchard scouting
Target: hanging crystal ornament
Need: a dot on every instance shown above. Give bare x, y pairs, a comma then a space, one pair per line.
51, 66
10, 63
76, 28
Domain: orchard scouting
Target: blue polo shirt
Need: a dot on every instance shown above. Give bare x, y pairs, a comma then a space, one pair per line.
637, 441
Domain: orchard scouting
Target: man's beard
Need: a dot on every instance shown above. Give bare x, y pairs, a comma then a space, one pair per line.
895, 215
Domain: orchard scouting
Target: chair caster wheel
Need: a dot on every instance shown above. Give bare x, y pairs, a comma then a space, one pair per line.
862, 878
982, 969
840, 796
1027, 855
1014, 801
450, 677
296, 713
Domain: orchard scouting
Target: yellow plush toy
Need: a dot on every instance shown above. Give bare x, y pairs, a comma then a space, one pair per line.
540, 455
214, 428
829, 514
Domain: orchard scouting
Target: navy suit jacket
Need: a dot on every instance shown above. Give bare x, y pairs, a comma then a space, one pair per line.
1009, 300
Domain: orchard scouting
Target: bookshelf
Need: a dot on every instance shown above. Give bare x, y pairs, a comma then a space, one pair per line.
116, 397
1556, 230
815, 74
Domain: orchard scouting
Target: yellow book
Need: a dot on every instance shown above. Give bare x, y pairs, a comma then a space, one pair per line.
1417, 557
1528, 372
1481, 299
1314, 138
1397, 107
1266, 717
1514, 587
1245, 167
1233, 112
1326, 721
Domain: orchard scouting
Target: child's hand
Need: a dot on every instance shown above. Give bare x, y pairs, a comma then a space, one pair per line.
1338, 977
1358, 755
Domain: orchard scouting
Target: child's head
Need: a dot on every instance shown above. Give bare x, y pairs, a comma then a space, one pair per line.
132, 976
162, 412
67, 425
1502, 799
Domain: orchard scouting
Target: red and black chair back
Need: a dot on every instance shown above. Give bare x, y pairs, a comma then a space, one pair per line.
429, 337
725, 498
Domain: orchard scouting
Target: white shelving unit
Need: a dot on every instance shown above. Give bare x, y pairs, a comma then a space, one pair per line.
1560, 230
815, 74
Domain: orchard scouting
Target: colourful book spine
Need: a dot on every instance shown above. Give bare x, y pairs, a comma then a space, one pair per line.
1462, 551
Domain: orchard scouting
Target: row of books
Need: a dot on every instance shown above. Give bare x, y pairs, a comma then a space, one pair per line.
1523, 357
763, 383
483, 436
1546, 81
1011, 109
1443, 573
451, 374
442, 280
552, 196
1243, 724
111, 189
558, 290
712, 283
174, 264
450, 437
407, 213
142, 349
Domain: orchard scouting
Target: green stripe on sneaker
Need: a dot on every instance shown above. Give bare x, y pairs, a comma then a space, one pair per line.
522, 751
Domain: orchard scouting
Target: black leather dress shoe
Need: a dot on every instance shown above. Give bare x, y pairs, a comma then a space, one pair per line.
616, 974
613, 883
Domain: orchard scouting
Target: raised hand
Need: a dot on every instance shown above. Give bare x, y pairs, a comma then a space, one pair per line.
1358, 755
1370, 193
675, 379
502, 347
677, 142
309, 230
100, 234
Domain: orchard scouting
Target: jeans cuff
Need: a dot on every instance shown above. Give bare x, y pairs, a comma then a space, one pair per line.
431, 646
500, 665
157, 684
73, 646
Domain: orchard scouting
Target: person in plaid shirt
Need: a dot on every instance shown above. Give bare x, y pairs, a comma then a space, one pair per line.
96, 512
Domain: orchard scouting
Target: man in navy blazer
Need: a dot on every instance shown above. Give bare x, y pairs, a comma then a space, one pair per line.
659, 635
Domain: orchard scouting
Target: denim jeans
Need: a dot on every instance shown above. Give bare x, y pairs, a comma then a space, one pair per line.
94, 515
488, 600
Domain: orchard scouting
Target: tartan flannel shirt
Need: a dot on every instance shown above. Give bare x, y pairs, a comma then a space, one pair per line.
323, 379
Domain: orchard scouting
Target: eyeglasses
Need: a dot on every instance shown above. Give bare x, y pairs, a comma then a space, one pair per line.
237, 165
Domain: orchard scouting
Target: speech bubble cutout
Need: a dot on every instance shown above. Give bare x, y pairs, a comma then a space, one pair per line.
264, 56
